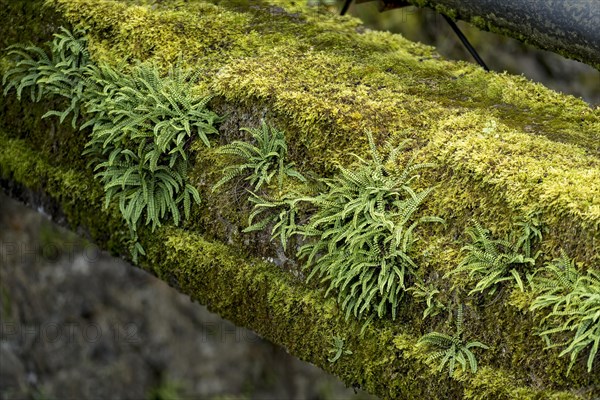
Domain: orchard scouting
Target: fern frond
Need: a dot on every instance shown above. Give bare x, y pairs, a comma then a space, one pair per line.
574, 304
262, 162
362, 233
451, 349
493, 261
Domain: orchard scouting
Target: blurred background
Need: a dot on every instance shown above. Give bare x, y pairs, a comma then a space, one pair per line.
78, 324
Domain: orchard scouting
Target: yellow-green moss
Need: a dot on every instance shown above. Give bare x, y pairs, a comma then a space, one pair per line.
504, 146
330, 80
76, 194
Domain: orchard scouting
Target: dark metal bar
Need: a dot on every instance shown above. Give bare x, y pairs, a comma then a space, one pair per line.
346, 7
465, 42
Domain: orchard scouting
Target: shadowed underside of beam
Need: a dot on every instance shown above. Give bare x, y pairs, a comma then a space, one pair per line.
504, 146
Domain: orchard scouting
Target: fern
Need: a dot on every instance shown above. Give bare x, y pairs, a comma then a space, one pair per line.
360, 237
557, 277
62, 73
260, 163
338, 349
282, 213
573, 301
141, 125
492, 261
427, 294
530, 234
451, 350
145, 105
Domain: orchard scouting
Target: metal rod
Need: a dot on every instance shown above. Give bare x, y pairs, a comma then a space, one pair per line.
466, 42
346, 7
453, 25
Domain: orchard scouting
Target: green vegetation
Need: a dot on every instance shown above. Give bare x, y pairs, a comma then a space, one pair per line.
557, 277
505, 147
338, 349
427, 293
282, 212
573, 303
141, 125
360, 238
451, 349
262, 162
62, 73
166, 390
493, 261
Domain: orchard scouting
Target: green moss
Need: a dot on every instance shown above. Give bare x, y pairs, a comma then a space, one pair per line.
75, 191
28, 22
41, 22
501, 385
273, 303
326, 80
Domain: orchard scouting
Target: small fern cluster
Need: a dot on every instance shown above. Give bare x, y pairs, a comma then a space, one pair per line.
573, 303
492, 261
555, 278
283, 213
338, 349
360, 237
260, 163
451, 350
62, 73
427, 294
141, 124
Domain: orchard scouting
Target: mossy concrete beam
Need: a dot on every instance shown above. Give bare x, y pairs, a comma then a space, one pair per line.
504, 146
